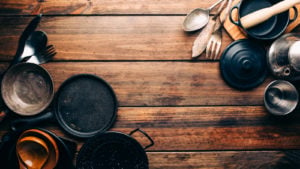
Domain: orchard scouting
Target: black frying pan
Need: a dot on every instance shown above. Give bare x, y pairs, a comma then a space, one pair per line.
113, 150
84, 105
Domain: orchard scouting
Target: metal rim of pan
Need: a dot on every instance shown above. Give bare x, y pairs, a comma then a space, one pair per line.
68, 126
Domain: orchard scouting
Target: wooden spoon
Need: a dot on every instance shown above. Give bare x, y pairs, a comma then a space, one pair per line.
264, 14
202, 39
32, 151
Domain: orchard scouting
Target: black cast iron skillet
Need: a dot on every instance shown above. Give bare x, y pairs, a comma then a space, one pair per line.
84, 106
8, 157
268, 30
113, 150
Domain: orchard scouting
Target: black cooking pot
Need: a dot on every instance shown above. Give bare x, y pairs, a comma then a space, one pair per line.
113, 150
268, 30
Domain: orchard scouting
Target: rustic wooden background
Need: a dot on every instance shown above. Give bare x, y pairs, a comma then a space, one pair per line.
138, 46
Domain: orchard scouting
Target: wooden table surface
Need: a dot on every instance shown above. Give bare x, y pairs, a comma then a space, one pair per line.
140, 49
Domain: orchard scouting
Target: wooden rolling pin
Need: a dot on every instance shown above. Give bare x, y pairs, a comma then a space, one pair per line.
264, 14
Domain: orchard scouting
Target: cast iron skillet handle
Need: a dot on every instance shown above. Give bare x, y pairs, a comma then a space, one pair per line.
146, 135
31, 121
295, 15
237, 23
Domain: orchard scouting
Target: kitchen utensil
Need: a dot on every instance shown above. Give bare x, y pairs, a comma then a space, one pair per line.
198, 18
43, 56
8, 155
53, 151
35, 43
236, 33
264, 14
27, 89
283, 57
25, 35
36, 48
281, 97
268, 30
202, 39
214, 44
32, 151
113, 150
84, 106
243, 64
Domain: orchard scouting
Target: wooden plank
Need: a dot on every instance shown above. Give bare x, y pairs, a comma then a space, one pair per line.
204, 128
161, 83
225, 160
107, 37
75, 7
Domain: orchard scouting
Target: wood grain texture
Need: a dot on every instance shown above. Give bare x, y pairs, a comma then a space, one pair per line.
203, 128
161, 83
138, 46
87, 7
225, 160
211, 128
107, 37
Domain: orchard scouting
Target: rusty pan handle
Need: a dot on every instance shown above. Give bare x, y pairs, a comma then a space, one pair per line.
145, 134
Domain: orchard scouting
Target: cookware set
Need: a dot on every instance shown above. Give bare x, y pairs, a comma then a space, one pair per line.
85, 107
245, 63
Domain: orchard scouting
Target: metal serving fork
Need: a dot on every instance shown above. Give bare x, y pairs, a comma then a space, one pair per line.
214, 44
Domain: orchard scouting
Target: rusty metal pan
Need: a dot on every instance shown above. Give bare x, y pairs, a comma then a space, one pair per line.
27, 89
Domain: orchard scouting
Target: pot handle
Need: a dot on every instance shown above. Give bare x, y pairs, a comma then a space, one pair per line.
31, 121
295, 14
237, 23
146, 135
